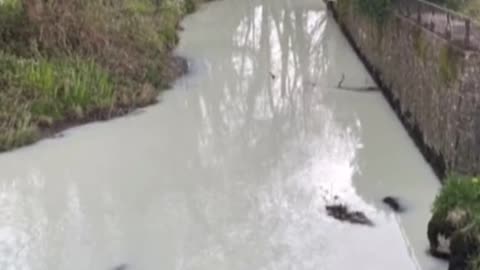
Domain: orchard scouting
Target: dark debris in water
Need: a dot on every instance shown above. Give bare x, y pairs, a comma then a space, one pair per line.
394, 204
123, 266
342, 213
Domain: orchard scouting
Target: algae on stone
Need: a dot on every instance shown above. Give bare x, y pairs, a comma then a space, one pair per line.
449, 64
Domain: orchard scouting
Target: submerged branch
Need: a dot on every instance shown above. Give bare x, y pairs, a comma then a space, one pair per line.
355, 89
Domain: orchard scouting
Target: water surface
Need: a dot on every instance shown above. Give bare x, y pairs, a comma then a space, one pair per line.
233, 168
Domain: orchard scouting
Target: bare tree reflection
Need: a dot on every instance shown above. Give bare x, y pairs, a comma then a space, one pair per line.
261, 99
278, 55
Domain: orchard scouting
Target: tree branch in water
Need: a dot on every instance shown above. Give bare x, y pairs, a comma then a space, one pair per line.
355, 89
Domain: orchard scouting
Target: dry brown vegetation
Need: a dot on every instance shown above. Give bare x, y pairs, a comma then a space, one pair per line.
70, 61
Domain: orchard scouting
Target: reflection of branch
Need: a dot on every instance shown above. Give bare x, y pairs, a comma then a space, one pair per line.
339, 85
356, 89
360, 89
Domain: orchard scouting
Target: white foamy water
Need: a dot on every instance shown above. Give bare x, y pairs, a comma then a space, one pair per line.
233, 168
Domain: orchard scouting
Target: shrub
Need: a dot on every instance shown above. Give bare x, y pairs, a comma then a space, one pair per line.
459, 192
456, 215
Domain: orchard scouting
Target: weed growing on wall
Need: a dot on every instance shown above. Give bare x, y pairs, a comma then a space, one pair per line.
448, 65
377, 10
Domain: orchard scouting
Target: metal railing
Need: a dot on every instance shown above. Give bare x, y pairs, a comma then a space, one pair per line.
451, 25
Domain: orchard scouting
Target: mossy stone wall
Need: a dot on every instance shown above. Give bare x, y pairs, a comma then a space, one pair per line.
435, 84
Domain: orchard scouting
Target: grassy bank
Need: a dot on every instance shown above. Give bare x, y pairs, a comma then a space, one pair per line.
73, 61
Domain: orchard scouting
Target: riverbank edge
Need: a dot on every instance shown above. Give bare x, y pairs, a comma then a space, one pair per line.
178, 67
436, 161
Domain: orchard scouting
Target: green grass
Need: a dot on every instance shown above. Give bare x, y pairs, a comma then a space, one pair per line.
39, 92
9, 9
463, 193
140, 7
66, 85
459, 192
57, 88
11, 29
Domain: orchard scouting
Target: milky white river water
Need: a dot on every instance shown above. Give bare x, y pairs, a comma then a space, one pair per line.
233, 168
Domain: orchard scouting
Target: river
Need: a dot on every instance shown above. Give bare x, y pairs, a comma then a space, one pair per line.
232, 169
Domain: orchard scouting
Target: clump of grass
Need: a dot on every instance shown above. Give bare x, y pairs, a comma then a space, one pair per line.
9, 11
65, 87
57, 87
39, 92
141, 7
16, 128
459, 192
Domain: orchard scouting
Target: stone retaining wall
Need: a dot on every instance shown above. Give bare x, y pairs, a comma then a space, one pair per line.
433, 85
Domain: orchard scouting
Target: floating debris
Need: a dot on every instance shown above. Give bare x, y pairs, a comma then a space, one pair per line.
342, 213
123, 266
355, 89
394, 204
